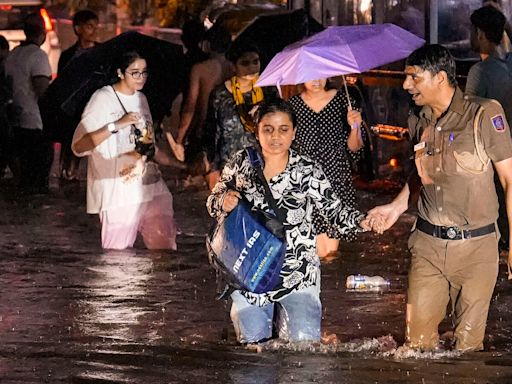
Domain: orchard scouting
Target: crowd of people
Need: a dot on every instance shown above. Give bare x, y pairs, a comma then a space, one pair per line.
462, 153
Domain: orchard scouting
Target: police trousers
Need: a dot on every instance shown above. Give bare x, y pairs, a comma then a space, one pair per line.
463, 271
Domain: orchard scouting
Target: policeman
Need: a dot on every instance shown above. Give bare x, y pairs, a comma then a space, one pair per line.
454, 244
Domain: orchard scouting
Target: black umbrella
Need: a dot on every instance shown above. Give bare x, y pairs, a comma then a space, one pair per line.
274, 31
68, 94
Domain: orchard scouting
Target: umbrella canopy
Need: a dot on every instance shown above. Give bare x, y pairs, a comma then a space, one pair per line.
234, 17
273, 32
338, 51
68, 94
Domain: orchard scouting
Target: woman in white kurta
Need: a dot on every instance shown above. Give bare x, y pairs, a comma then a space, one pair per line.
118, 187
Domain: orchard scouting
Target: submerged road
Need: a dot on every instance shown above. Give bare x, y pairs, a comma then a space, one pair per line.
73, 313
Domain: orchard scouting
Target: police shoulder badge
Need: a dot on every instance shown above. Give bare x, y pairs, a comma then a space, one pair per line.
498, 122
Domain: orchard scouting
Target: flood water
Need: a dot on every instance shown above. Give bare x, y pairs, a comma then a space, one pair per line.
73, 313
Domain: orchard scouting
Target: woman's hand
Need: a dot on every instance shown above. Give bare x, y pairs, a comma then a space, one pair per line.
127, 120
355, 140
230, 200
354, 118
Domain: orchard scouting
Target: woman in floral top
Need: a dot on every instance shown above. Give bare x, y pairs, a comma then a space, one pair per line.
298, 185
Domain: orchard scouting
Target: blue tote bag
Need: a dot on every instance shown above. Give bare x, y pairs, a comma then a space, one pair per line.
246, 251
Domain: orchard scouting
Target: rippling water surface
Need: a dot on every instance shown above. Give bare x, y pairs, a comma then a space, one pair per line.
72, 313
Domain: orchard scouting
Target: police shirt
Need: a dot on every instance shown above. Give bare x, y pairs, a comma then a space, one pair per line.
457, 178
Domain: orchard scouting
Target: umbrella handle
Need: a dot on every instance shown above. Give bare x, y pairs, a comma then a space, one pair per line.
346, 91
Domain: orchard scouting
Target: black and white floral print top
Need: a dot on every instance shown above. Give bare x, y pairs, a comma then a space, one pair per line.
300, 187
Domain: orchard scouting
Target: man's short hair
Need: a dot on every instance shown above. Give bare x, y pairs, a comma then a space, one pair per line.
33, 25
490, 21
434, 58
219, 38
83, 16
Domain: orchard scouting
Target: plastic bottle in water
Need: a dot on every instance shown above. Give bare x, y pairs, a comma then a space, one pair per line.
366, 283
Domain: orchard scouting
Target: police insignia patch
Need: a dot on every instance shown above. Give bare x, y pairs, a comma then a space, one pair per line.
498, 123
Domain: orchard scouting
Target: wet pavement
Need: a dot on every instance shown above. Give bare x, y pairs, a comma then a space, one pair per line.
73, 313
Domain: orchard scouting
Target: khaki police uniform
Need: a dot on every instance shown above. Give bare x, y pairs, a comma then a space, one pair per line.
454, 245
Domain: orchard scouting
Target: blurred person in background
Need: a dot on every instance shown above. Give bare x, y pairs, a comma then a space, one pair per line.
204, 77
505, 44
229, 123
492, 78
28, 70
192, 36
85, 26
58, 9
6, 134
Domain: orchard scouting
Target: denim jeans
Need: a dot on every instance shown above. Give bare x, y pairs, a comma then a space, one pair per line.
297, 316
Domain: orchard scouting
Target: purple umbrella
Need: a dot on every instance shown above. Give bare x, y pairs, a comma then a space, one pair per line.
339, 51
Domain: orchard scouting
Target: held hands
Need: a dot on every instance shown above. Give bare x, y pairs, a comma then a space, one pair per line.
380, 218
230, 200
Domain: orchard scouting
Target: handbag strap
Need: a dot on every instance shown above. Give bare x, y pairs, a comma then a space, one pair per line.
134, 128
257, 163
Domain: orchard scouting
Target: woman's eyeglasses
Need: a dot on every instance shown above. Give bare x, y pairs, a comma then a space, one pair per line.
137, 75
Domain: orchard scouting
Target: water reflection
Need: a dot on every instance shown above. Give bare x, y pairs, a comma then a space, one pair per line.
114, 302
70, 312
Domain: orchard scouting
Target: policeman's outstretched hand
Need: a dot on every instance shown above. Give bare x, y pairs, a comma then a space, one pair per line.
382, 217
230, 200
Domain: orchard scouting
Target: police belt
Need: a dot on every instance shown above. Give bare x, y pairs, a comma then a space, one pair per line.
452, 233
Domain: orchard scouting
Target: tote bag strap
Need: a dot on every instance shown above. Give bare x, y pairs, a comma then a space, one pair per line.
257, 163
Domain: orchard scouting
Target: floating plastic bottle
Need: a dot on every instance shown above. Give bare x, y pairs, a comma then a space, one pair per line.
366, 283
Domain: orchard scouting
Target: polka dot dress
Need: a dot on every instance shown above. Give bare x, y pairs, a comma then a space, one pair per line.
323, 137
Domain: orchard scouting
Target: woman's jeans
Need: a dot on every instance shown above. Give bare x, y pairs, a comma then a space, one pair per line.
297, 317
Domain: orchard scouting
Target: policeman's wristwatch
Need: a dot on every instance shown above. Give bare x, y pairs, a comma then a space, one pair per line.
112, 128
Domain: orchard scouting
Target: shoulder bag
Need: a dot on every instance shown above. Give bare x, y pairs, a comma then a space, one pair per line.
248, 246
145, 147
